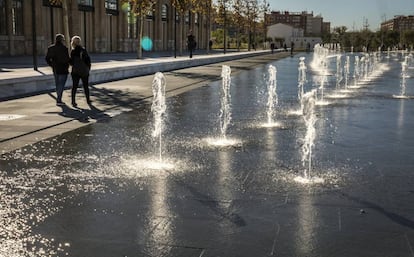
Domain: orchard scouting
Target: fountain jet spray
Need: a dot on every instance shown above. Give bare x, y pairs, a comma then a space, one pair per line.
301, 78
338, 71
272, 99
225, 111
404, 76
356, 71
323, 79
158, 108
310, 119
347, 71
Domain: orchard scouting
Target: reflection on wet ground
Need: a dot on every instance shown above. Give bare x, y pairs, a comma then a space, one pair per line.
96, 192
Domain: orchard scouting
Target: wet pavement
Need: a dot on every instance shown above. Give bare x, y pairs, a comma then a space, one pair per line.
26, 120
95, 190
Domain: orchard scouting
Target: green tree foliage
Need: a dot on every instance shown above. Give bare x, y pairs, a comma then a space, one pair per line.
140, 8
239, 19
408, 38
183, 7
205, 7
368, 39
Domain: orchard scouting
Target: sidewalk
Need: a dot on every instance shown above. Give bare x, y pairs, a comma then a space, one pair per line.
19, 62
29, 119
18, 80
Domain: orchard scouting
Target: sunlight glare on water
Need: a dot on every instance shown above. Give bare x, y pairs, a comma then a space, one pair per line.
147, 166
309, 181
223, 142
271, 125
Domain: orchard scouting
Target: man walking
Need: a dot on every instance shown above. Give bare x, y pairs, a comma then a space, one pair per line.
58, 58
191, 43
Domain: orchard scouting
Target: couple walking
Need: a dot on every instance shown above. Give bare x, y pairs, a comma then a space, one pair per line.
58, 58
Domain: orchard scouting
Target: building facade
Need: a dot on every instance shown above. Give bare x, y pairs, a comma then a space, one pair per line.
310, 24
285, 34
294, 19
399, 23
104, 26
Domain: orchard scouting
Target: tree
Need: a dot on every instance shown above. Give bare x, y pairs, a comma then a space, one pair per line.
183, 6
339, 35
391, 38
408, 37
223, 7
265, 8
252, 14
239, 19
66, 22
205, 7
140, 8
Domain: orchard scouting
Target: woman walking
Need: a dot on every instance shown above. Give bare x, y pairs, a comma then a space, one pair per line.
81, 65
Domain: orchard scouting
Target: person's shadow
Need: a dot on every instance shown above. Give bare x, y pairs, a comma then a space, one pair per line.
81, 114
84, 115
95, 113
76, 113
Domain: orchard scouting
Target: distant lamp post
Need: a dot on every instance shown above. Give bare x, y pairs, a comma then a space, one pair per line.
176, 20
85, 6
111, 8
52, 4
34, 36
224, 27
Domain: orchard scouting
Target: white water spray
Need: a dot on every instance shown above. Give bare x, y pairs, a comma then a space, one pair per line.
225, 111
310, 119
338, 71
272, 99
366, 66
356, 71
301, 78
346, 71
404, 75
158, 108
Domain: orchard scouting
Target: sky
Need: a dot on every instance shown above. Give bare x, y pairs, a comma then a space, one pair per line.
349, 13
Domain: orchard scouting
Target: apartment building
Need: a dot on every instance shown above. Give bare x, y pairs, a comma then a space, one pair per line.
399, 23
310, 24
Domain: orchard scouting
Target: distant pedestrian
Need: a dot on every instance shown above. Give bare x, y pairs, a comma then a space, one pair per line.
191, 43
210, 44
272, 47
57, 57
292, 48
308, 47
81, 65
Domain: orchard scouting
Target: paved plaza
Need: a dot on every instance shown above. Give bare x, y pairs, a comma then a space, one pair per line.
93, 181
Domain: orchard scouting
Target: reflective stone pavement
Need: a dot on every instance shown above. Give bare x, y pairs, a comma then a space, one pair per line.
93, 190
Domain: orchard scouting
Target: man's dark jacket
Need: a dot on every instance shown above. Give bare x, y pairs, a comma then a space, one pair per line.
58, 58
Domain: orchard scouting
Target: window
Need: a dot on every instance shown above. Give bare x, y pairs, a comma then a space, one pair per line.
3, 19
17, 17
132, 22
187, 18
52, 3
150, 15
177, 17
85, 5
111, 7
164, 12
